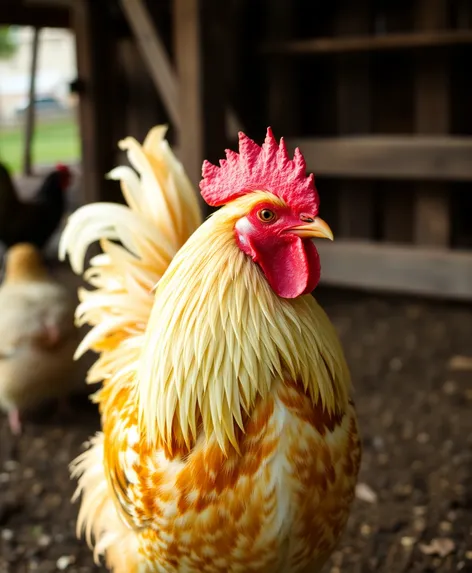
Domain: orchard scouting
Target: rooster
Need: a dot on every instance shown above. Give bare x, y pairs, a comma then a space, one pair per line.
229, 439
33, 221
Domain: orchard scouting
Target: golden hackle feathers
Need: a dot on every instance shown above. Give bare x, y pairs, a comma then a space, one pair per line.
214, 292
161, 213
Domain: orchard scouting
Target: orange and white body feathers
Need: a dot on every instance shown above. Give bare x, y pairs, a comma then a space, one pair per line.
229, 439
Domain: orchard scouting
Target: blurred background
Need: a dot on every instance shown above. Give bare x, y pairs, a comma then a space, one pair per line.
56, 133
377, 95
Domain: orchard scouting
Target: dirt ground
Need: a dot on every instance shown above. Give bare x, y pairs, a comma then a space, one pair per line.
414, 398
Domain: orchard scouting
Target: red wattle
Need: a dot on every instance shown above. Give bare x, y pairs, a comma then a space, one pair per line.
292, 267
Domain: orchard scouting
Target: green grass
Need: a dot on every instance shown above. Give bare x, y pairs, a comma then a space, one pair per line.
55, 141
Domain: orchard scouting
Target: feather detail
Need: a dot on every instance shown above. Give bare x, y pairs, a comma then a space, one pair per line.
162, 211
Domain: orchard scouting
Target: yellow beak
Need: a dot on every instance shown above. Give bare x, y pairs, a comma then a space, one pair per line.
316, 229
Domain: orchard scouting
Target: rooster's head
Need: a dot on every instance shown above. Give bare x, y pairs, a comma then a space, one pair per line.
65, 175
276, 229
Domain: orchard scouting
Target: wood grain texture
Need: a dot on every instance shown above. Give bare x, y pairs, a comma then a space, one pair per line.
200, 48
357, 43
391, 157
401, 269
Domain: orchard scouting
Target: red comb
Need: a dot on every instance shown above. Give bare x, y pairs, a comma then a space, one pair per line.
62, 167
266, 168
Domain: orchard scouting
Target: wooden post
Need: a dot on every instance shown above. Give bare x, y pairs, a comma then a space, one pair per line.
432, 213
30, 110
143, 109
356, 214
87, 112
200, 55
155, 56
98, 99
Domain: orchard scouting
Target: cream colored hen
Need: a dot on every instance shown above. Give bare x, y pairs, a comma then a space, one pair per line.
37, 335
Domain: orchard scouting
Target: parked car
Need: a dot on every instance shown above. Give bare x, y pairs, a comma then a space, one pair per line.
43, 105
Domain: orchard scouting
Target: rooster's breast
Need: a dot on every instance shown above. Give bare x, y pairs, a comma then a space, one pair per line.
278, 506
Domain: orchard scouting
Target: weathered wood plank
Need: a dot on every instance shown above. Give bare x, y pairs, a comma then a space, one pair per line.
97, 117
353, 44
420, 271
155, 56
189, 70
391, 157
200, 48
81, 22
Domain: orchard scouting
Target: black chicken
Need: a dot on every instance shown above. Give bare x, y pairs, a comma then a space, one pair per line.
33, 221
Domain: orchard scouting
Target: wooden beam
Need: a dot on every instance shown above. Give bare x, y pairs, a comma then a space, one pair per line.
155, 56
90, 191
402, 270
42, 3
97, 117
389, 157
30, 110
200, 53
355, 44
16, 14
189, 69
143, 109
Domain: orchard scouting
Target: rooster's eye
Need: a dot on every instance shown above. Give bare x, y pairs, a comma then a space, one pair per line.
266, 215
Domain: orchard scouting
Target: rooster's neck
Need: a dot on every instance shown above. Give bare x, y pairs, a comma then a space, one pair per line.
218, 339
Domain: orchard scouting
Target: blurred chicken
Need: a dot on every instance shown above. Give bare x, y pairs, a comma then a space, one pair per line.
37, 335
33, 221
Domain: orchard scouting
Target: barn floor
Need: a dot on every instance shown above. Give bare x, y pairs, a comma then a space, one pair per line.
414, 398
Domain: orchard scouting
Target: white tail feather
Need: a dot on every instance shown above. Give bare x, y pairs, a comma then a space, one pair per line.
162, 211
